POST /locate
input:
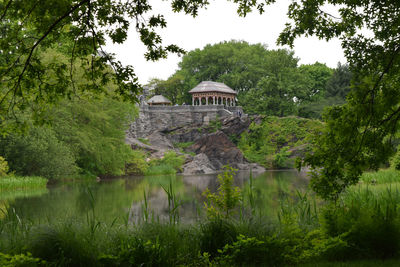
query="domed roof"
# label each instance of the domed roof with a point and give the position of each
(208, 86)
(159, 99)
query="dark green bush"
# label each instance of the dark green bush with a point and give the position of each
(3, 167)
(215, 234)
(370, 231)
(249, 251)
(38, 153)
(137, 164)
(21, 260)
(63, 247)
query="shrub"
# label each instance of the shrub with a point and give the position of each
(369, 222)
(137, 164)
(38, 153)
(64, 247)
(3, 167)
(136, 252)
(172, 159)
(249, 251)
(20, 260)
(281, 159)
(162, 169)
(395, 162)
(169, 164)
(226, 199)
(215, 234)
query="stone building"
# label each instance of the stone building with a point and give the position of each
(159, 100)
(211, 100)
(213, 93)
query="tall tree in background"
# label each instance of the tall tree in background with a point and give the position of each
(275, 91)
(338, 85)
(314, 80)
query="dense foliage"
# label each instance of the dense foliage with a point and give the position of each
(39, 152)
(269, 82)
(95, 133)
(85, 136)
(276, 142)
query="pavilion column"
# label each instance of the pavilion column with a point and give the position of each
(192, 100)
(213, 100)
(206, 100)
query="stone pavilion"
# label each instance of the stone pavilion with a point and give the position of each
(213, 93)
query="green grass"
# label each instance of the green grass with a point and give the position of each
(385, 176)
(183, 145)
(18, 182)
(162, 169)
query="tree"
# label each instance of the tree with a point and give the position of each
(315, 78)
(358, 133)
(235, 63)
(81, 133)
(38, 153)
(262, 77)
(338, 85)
(173, 88)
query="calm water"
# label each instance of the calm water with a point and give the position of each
(122, 199)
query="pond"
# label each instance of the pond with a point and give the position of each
(122, 200)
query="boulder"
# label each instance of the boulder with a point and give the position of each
(219, 150)
(200, 164)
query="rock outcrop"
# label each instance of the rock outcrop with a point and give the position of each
(200, 164)
(213, 149)
(219, 149)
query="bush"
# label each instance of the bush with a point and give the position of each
(249, 251)
(223, 203)
(215, 234)
(64, 247)
(3, 167)
(38, 153)
(268, 142)
(368, 223)
(172, 159)
(21, 260)
(395, 162)
(169, 164)
(137, 253)
(137, 165)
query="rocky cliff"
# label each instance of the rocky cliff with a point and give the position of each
(208, 147)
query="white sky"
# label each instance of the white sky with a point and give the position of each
(220, 22)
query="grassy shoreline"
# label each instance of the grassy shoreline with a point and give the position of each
(8, 183)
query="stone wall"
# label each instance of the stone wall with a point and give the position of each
(162, 118)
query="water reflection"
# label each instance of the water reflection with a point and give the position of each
(122, 199)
